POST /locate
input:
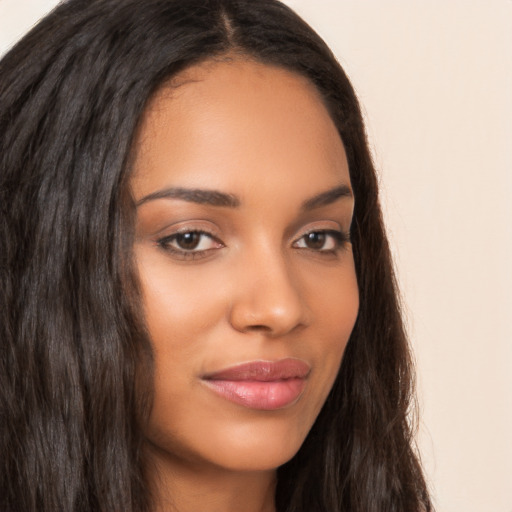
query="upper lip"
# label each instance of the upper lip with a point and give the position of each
(263, 371)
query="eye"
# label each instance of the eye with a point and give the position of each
(187, 244)
(328, 240)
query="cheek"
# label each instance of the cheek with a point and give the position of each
(333, 297)
(342, 313)
(181, 314)
(179, 304)
(335, 304)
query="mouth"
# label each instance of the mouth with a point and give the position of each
(261, 385)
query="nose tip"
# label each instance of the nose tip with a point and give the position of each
(270, 302)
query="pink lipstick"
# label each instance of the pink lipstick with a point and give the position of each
(263, 385)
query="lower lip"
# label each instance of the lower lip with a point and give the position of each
(265, 396)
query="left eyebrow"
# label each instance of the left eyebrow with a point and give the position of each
(327, 197)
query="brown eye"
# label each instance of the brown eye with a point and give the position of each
(188, 241)
(190, 244)
(315, 240)
(323, 241)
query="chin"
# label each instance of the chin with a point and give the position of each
(261, 444)
(261, 456)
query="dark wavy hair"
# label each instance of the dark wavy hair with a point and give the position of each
(76, 362)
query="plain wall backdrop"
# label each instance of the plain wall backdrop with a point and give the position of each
(435, 81)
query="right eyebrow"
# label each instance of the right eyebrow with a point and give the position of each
(194, 195)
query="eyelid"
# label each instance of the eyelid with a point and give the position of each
(184, 226)
(165, 242)
(190, 231)
(341, 238)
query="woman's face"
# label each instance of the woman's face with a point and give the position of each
(249, 289)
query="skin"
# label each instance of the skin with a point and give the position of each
(254, 288)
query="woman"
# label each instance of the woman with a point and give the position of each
(198, 303)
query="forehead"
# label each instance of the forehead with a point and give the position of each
(239, 120)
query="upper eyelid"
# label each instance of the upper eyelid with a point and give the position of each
(337, 233)
(182, 231)
(338, 230)
(321, 230)
(193, 230)
(212, 233)
(169, 231)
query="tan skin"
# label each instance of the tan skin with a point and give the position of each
(264, 275)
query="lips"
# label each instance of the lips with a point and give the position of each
(262, 385)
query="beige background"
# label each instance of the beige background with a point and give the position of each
(435, 80)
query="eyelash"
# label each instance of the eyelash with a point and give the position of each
(183, 254)
(339, 239)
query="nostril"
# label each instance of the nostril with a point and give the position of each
(264, 328)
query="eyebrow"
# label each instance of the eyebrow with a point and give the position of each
(327, 197)
(222, 199)
(194, 195)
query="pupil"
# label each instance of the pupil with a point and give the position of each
(188, 241)
(315, 240)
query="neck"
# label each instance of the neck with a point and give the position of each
(184, 486)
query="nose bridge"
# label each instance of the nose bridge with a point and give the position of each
(268, 296)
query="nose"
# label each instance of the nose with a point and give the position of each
(268, 298)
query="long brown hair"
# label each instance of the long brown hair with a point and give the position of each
(75, 366)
